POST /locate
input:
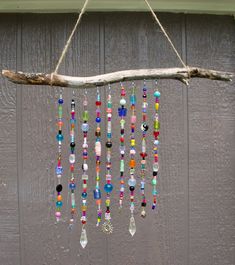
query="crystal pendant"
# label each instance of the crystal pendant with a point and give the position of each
(83, 238)
(132, 227)
(107, 227)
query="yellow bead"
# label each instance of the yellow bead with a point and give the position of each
(107, 202)
(83, 208)
(156, 106)
(132, 142)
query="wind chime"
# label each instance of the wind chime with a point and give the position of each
(150, 132)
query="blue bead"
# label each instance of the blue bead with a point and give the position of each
(60, 137)
(84, 195)
(157, 94)
(98, 119)
(108, 187)
(133, 99)
(109, 135)
(60, 101)
(59, 170)
(97, 194)
(72, 186)
(59, 204)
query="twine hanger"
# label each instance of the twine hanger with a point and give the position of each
(79, 20)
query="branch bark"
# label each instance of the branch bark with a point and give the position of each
(181, 74)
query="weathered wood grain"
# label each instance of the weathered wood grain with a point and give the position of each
(211, 41)
(53, 79)
(9, 213)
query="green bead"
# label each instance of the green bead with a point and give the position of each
(154, 182)
(122, 165)
(156, 125)
(60, 107)
(85, 116)
(109, 105)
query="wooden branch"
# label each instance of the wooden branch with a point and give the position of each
(181, 74)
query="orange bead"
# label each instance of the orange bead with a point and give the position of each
(98, 202)
(60, 123)
(59, 198)
(132, 163)
(122, 181)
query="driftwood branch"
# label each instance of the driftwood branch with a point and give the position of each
(181, 74)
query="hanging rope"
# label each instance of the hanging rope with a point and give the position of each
(71, 36)
(163, 30)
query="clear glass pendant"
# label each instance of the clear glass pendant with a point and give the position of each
(83, 238)
(132, 227)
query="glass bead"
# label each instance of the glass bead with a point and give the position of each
(72, 158)
(122, 101)
(59, 204)
(133, 99)
(72, 186)
(156, 106)
(132, 182)
(60, 101)
(59, 188)
(108, 187)
(85, 127)
(157, 94)
(156, 125)
(59, 170)
(98, 119)
(84, 195)
(60, 137)
(155, 167)
(154, 182)
(85, 115)
(144, 127)
(97, 194)
(83, 238)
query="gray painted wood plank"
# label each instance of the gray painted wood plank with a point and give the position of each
(9, 214)
(133, 41)
(211, 43)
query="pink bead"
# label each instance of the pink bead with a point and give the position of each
(58, 214)
(133, 119)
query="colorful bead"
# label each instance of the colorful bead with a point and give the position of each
(96, 191)
(132, 164)
(85, 128)
(108, 187)
(156, 132)
(59, 168)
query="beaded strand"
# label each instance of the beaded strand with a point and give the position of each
(108, 187)
(143, 154)
(132, 164)
(97, 192)
(72, 185)
(59, 168)
(156, 133)
(85, 128)
(122, 111)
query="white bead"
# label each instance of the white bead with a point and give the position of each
(122, 101)
(85, 167)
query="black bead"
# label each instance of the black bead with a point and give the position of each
(154, 173)
(143, 204)
(59, 188)
(72, 144)
(108, 144)
(107, 208)
(60, 131)
(145, 126)
(132, 188)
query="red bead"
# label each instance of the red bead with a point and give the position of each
(98, 103)
(122, 139)
(83, 222)
(156, 134)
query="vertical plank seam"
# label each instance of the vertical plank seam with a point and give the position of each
(19, 127)
(186, 128)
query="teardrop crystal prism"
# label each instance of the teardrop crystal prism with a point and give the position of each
(132, 227)
(83, 238)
